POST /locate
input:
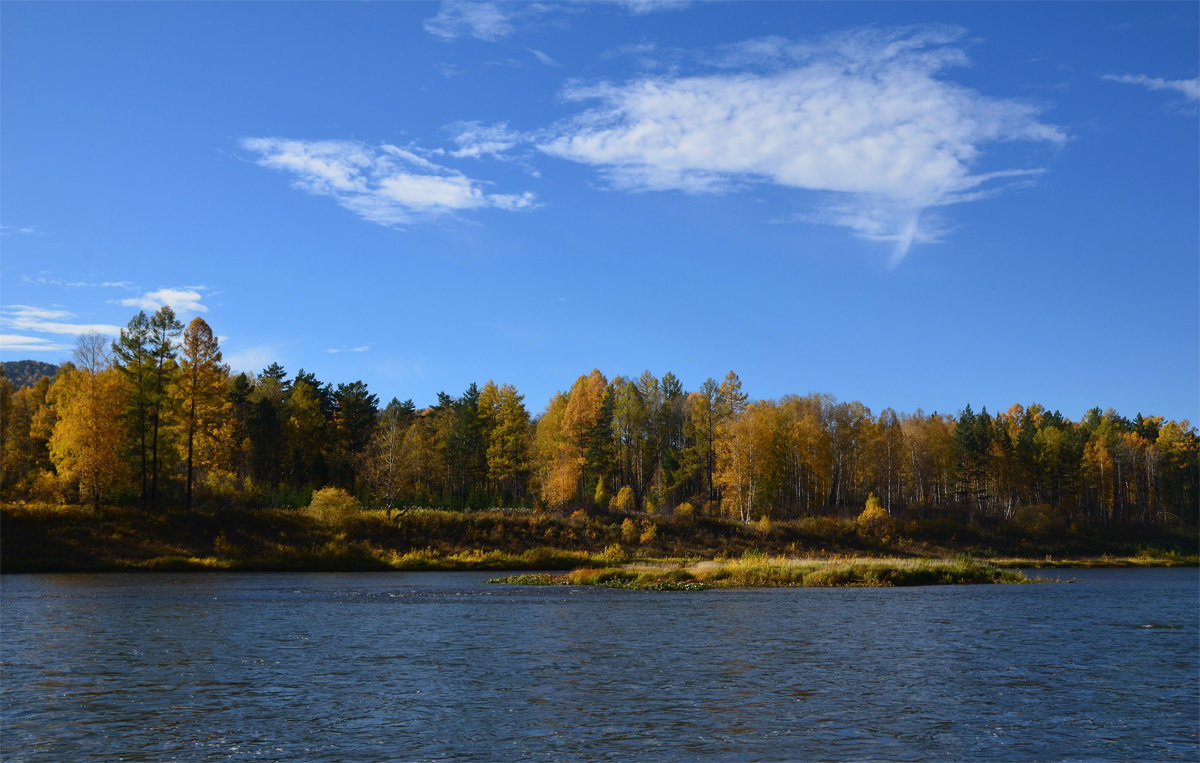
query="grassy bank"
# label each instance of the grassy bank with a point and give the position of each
(781, 572)
(53, 538)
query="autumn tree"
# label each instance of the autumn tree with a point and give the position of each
(381, 462)
(26, 423)
(304, 429)
(508, 441)
(202, 396)
(87, 439)
(583, 430)
(741, 450)
(557, 465)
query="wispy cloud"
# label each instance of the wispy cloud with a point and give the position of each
(1188, 88)
(492, 21)
(335, 351)
(19, 230)
(184, 299)
(477, 140)
(481, 20)
(45, 279)
(863, 117)
(545, 59)
(54, 320)
(384, 184)
(642, 7)
(19, 343)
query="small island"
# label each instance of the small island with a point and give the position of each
(756, 571)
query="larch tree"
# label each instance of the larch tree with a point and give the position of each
(201, 385)
(508, 444)
(559, 468)
(584, 407)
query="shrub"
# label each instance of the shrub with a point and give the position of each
(332, 504)
(1036, 520)
(874, 520)
(601, 497)
(47, 488)
(624, 500)
(685, 510)
(629, 530)
(615, 554)
(649, 532)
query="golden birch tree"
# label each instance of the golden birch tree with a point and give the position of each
(88, 436)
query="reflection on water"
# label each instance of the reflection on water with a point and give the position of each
(415, 666)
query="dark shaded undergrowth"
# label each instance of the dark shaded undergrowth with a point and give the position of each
(50, 538)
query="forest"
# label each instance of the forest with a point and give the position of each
(156, 420)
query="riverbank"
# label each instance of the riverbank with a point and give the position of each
(51, 538)
(781, 572)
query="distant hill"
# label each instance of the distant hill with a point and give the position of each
(25, 373)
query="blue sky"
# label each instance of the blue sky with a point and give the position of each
(911, 205)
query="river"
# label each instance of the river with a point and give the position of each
(429, 666)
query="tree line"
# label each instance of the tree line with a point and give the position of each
(155, 417)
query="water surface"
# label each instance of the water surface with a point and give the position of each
(426, 666)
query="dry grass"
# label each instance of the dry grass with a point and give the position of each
(777, 572)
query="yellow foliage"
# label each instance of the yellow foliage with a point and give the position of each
(685, 510)
(333, 504)
(46, 488)
(85, 444)
(624, 500)
(649, 532)
(874, 519)
(629, 530)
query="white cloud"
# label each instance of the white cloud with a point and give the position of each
(20, 230)
(182, 300)
(19, 343)
(491, 21)
(252, 359)
(482, 20)
(862, 117)
(363, 348)
(1188, 88)
(545, 59)
(45, 279)
(643, 7)
(385, 184)
(50, 321)
(476, 140)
